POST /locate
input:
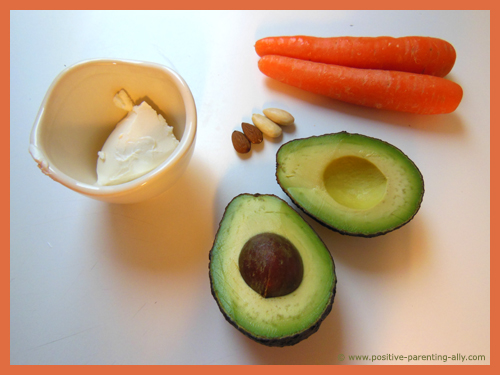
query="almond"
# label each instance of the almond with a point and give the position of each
(266, 126)
(253, 134)
(240, 142)
(279, 116)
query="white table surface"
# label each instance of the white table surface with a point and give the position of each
(95, 283)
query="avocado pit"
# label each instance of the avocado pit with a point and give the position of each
(271, 265)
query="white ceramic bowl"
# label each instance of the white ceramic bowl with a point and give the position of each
(77, 115)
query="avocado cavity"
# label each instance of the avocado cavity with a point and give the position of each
(355, 182)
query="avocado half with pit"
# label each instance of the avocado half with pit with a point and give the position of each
(351, 183)
(272, 276)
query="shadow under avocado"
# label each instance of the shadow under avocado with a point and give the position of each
(394, 252)
(321, 348)
(166, 234)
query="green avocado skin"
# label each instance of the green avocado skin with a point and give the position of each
(325, 223)
(275, 341)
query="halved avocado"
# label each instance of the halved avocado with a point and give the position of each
(271, 275)
(351, 183)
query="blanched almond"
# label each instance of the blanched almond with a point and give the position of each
(266, 126)
(122, 100)
(279, 116)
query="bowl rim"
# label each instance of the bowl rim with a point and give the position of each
(36, 149)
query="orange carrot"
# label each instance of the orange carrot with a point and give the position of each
(414, 54)
(383, 89)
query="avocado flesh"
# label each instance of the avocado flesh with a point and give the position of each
(276, 321)
(351, 183)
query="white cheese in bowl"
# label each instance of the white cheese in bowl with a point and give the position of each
(138, 144)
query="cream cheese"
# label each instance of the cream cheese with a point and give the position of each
(138, 144)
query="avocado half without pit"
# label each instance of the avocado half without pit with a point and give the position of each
(271, 275)
(351, 183)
